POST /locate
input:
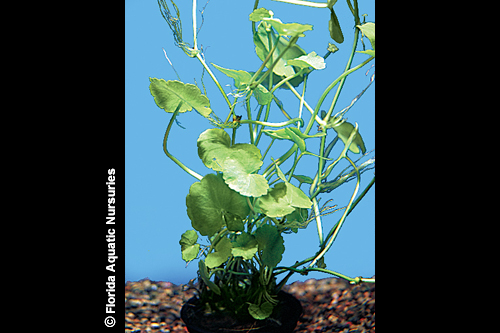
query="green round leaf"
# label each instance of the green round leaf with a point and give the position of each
(188, 244)
(261, 312)
(238, 174)
(213, 145)
(271, 244)
(222, 252)
(245, 246)
(238, 162)
(210, 201)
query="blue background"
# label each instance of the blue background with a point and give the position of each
(156, 188)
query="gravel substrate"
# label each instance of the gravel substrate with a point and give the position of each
(330, 305)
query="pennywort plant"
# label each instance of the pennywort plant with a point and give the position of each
(242, 206)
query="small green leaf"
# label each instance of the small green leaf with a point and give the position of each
(334, 27)
(369, 52)
(296, 139)
(244, 246)
(368, 30)
(261, 312)
(297, 219)
(281, 175)
(282, 134)
(311, 60)
(209, 201)
(288, 29)
(241, 81)
(189, 247)
(240, 77)
(259, 14)
(262, 95)
(271, 244)
(303, 179)
(222, 252)
(168, 95)
(202, 269)
(293, 134)
(321, 263)
(344, 130)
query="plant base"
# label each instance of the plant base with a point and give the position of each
(283, 320)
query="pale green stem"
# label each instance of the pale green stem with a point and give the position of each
(318, 119)
(179, 163)
(264, 123)
(342, 219)
(305, 3)
(318, 221)
(214, 79)
(328, 114)
(194, 25)
(195, 48)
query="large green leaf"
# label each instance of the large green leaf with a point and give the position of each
(263, 38)
(242, 80)
(237, 162)
(245, 246)
(288, 29)
(189, 247)
(213, 145)
(238, 174)
(168, 95)
(271, 244)
(222, 252)
(282, 200)
(210, 201)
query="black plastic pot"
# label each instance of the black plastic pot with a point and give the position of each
(283, 320)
